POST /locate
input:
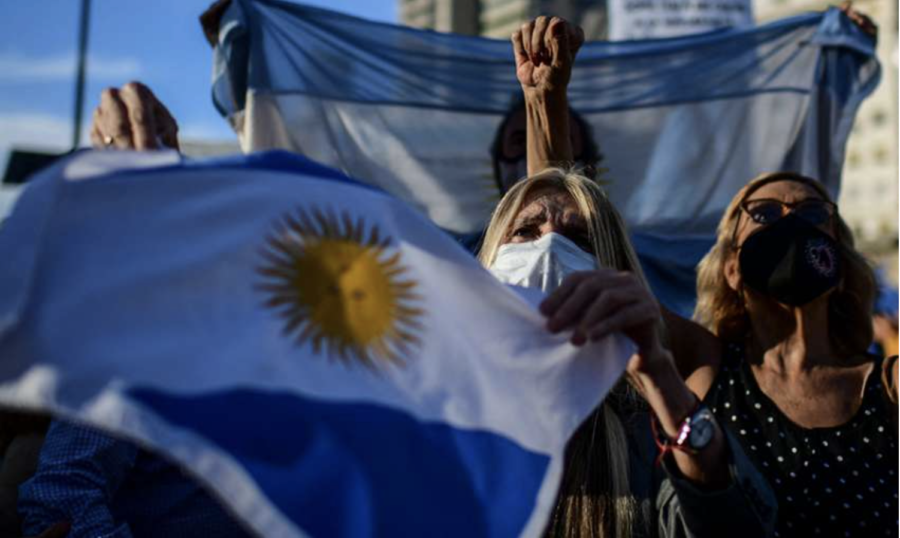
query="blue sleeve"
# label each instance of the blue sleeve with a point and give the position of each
(78, 473)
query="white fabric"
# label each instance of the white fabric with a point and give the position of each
(541, 264)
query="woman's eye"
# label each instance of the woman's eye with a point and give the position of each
(523, 232)
(765, 212)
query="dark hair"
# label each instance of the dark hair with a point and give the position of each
(588, 160)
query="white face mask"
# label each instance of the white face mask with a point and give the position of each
(541, 264)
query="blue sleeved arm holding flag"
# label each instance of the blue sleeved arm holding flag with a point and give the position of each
(78, 474)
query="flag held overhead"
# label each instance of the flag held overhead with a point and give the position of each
(682, 123)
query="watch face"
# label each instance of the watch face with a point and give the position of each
(702, 430)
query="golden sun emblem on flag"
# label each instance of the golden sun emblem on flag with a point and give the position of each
(337, 285)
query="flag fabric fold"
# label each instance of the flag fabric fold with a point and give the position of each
(683, 122)
(316, 352)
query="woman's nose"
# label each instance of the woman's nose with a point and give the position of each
(548, 227)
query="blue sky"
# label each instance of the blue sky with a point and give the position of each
(157, 42)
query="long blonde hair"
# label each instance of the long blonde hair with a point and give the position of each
(721, 309)
(595, 497)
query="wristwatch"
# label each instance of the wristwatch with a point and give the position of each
(696, 431)
(694, 434)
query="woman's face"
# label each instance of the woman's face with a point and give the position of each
(514, 148)
(799, 198)
(547, 210)
(792, 193)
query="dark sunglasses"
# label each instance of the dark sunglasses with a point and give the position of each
(815, 211)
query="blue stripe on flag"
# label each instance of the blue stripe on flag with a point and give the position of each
(352, 469)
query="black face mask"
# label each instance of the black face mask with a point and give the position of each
(791, 261)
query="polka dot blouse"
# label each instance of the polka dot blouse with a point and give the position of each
(839, 481)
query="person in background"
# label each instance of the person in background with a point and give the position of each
(21, 437)
(787, 301)
(509, 152)
(109, 487)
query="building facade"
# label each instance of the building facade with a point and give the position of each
(500, 18)
(457, 16)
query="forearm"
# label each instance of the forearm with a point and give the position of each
(671, 401)
(548, 142)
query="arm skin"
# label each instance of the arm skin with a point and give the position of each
(548, 142)
(545, 51)
(696, 351)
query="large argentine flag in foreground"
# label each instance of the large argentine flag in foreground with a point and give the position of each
(683, 122)
(322, 356)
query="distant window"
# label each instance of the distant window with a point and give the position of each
(881, 155)
(879, 118)
(853, 160)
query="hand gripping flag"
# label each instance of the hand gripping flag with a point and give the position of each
(319, 354)
(683, 123)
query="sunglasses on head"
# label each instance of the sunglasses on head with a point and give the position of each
(815, 211)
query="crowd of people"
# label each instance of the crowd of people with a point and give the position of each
(764, 415)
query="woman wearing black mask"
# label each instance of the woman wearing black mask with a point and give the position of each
(791, 299)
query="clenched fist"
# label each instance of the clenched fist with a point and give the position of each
(545, 50)
(132, 118)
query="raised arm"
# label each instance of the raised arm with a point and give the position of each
(545, 50)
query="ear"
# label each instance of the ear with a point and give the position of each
(732, 272)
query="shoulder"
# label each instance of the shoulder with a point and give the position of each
(889, 377)
(697, 352)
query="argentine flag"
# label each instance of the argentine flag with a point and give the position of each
(683, 123)
(320, 355)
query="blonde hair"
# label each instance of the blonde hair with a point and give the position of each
(721, 309)
(595, 497)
